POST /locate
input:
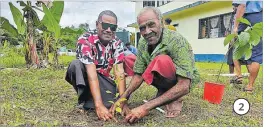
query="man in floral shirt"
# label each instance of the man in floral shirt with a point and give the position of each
(90, 75)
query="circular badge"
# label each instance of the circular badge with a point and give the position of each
(241, 106)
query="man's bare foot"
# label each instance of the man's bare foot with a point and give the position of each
(174, 108)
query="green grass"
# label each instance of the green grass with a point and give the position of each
(43, 98)
(12, 58)
(64, 60)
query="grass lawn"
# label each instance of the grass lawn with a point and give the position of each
(43, 98)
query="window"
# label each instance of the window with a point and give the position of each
(148, 3)
(162, 2)
(215, 26)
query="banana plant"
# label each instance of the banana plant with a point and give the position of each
(25, 22)
(29, 22)
(51, 21)
(246, 40)
(27, 29)
(47, 39)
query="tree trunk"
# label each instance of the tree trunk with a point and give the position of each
(45, 52)
(33, 56)
(55, 59)
(27, 52)
(46, 41)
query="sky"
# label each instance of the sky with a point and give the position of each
(76, 12)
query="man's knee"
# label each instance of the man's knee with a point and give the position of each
(75, 64)
(163, 57)
(165, 60)
(160, 57)
(130, 58)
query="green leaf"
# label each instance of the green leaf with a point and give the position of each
(29, 8)
(254, 38)
(250, 46)
(18, 19)
(229, 38)
(36, 19)
(21, 3)
(248, 54)
(118, 109)
(243, 20)
(56, 10)
(243, 38)
(117, 103)
(109, 92)
(122, 99)
(51, 23)
(116, 95)
(111, 102)
(258, 28)
(236, 43)
(4, 23)
(239, 52)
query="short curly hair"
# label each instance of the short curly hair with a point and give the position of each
(107, 12)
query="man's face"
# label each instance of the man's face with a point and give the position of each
(106, 28)
(150, 27)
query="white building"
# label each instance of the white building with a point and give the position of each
(202, 23)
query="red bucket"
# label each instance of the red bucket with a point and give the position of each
(213, 92)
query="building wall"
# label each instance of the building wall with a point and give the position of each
(189, 28)
(139, 6)
(211, 49)
(173, 5)
(166, 7)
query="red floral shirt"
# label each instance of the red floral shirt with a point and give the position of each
(91, 51)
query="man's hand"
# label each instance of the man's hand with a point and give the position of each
(125, 110)
(136, 114)
(123, 105)
(103, 114)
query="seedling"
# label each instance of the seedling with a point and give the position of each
(244, 42)
(116, 95)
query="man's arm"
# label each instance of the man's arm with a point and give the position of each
(101, 111)
(239, 13)
(177, 91)
(135, 83)
(120, 77)
(94, 84)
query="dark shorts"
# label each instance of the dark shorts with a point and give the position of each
(76, 75)
(257, 51)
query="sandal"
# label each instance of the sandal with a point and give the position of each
(237, 80)
(248, 90)
(174, 109)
